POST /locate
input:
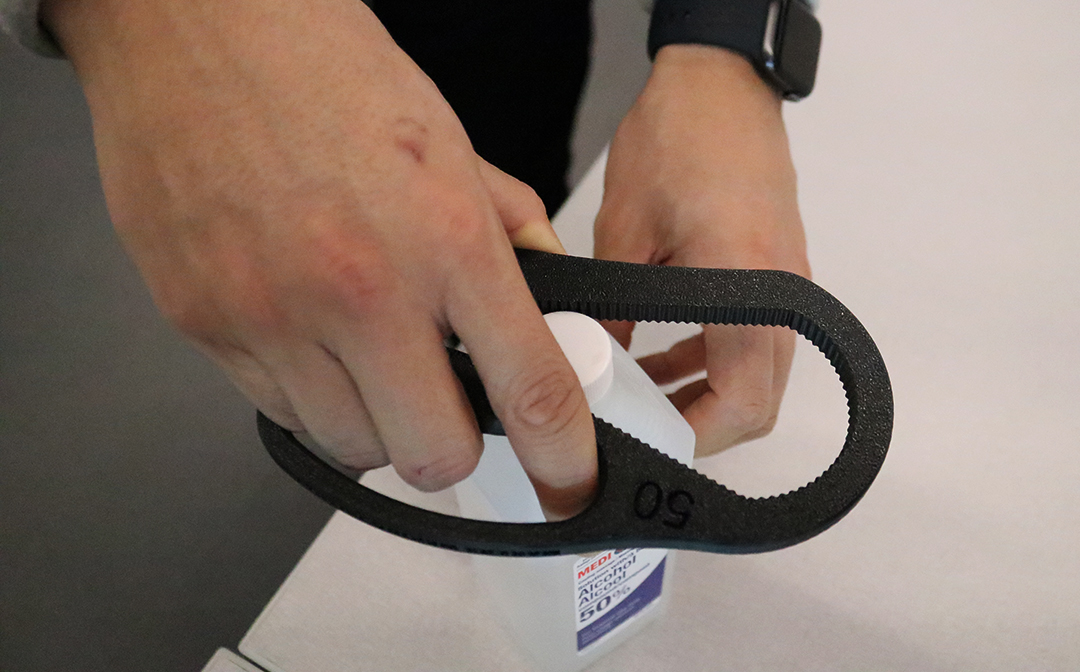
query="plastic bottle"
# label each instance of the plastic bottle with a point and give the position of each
(568, 611)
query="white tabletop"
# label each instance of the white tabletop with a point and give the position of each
(941, 194)
(224, 660)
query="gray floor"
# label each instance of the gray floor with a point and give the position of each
(141, 524)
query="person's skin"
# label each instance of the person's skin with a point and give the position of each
(306, 208)
(700, 174)
(308, 211)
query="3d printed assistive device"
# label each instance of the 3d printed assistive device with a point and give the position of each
(644, 498)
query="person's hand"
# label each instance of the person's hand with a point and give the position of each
(306, 208)
(700, 174)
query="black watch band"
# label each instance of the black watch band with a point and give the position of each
(781, 38)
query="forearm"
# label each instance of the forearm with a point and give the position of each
(130, 35)
(713, 84)
(716, 135)
(306, 208)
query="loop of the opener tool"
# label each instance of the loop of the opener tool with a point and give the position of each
(700, 514)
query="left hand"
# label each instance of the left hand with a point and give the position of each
(700, 174)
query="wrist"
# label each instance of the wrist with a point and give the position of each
(705, 116)
(714, 78)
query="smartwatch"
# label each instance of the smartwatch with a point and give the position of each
(782, 38)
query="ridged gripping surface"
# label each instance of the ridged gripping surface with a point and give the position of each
(646, 499)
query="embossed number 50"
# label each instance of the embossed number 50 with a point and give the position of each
(674, 509)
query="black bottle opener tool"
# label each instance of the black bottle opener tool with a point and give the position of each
(644, 498)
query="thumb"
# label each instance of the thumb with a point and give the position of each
(521, 211)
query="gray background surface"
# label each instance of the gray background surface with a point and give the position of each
(141, 524)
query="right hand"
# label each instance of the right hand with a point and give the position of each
(306, 208)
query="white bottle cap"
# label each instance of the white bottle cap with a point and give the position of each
(588, 348)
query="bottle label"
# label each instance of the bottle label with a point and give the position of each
(611, 587)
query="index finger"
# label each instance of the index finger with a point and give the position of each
(531, 386)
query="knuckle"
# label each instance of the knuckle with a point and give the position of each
(618, 233)
(466, 225)
(530, 200)
(456, 209)
(546, 400)
(754, 413)
(358, 450)
(207, 311)
(186, 307)
(260, 312)
(760, 430)
(188, 317)
(357, 277)
(449, 226)
(535, 202)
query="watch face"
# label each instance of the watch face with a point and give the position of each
(797, 44)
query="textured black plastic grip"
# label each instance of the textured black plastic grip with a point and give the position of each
(646, 499)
